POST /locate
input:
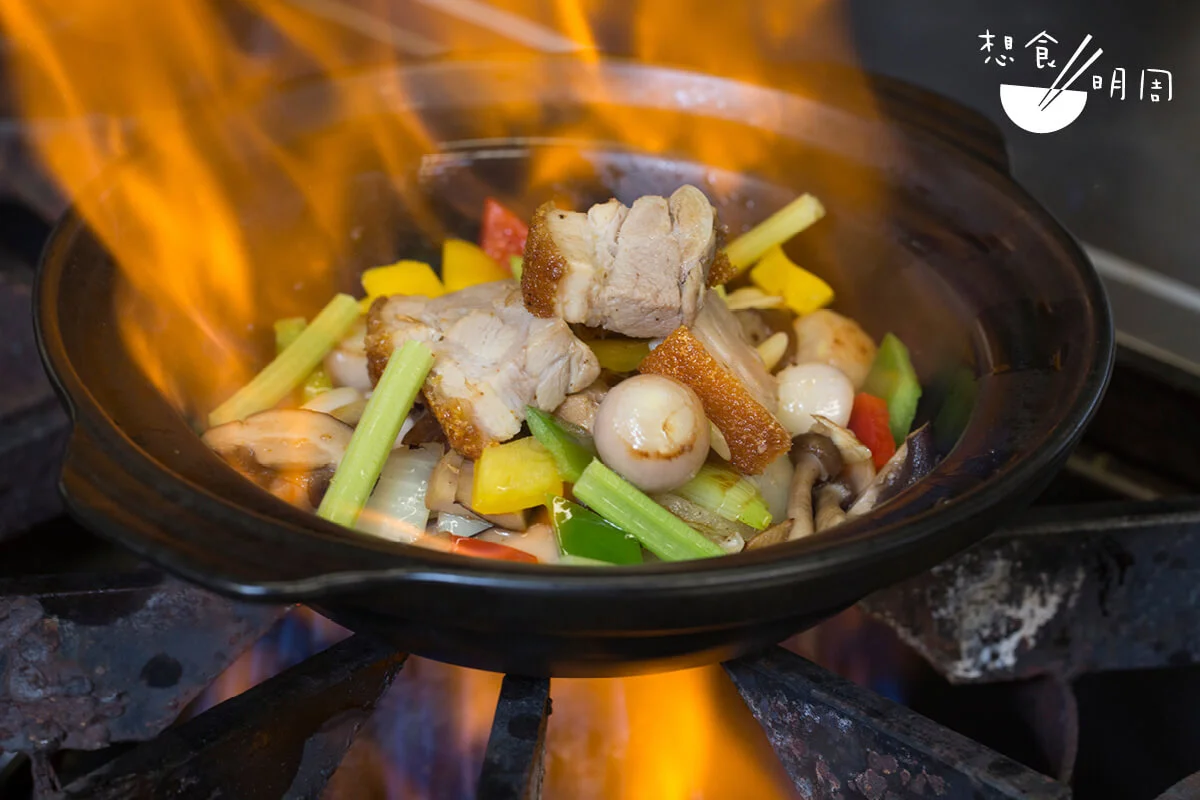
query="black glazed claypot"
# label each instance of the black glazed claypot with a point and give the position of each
(1007, 322)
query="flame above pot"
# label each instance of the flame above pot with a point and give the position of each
(180, 99)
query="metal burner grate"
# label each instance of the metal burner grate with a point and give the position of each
(116, 658)
(96, 660)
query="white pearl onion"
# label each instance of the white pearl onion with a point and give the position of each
(653, 432)
(812, 389)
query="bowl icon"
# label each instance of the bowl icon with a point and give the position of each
(1022, 104)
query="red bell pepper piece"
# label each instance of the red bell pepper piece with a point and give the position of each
(503, 234)
(465, 546)
(870, 423)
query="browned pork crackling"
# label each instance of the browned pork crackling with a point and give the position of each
(754, 436)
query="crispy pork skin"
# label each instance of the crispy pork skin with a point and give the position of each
(714, 358)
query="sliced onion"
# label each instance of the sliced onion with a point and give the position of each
(396, 509)
(729, 536)
(460, 526)
(539, 540)
(332, 400)
(351, 414)
(443, 484)
(405, 427)
(774, 483)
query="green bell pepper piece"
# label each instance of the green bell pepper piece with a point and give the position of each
(624, 505)
(572, 451)
(585, 534)
(893, 380)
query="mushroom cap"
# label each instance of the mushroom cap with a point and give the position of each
(291, 440)
(822, 448)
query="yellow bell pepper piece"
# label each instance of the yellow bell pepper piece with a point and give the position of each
(465, 264)
(620, 355)
(403, 277)
(803, 292)
(514, 476)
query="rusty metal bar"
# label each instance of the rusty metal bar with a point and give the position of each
(1064, 592)
(88, 660)
(283, 738)
(839, 740)
(513, 763)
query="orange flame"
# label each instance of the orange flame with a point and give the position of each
(221, 226)
(671, 736)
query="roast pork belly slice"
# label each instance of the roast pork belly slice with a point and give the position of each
(716, 360)
(723, 336)
(639, 270)
(492, 358)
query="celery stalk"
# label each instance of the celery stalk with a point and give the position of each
(659, 531)
(318, 381)
(775, 229)
(570, 451)
(291, 366)
(393, 398)
(727, 494)
(287, 331)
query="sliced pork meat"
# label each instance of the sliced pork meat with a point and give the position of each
(491, 359)
(723, 336)
(580, 409)
(640, 270)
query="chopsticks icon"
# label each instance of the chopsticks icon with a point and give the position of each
(1046, 98)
